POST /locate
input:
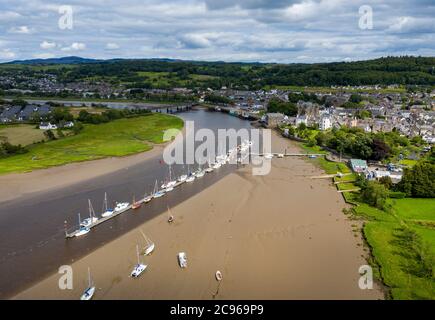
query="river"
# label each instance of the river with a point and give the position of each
(32, 240)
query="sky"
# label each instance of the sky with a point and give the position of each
(282, 31)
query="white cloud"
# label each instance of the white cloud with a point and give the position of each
(231, 30)
(112, 46)
(7, 54)
(75, 46)
(47, 45)
(412, 25)
(45, 55)
(20, 30)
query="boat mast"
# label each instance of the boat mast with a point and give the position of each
(137, 252)
(91, 210)
(105, 202)
(89, 277)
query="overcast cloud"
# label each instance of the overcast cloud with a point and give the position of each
(228, 30)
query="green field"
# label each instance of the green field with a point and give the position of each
(403, 248)
(23, 134)
(414, 208)
(117, 138)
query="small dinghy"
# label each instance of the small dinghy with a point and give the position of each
(218, 275)
(182, 260)
(170, 216)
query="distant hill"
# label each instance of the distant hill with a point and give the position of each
(78, 60)
(168, 73)
(64, 60)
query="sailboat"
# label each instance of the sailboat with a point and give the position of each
(147, 198)
(183, 177)
(210, 167)
(139, 268)
(158, 193)
(170, 216)
(90, 290)
(120, 206)
(136, 204)
(92, 218)
(199, 173)
(170, 183)
(150, 246)
(106, 210)
(190, 175)
(82, 230)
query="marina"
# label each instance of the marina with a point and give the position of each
(166, 187)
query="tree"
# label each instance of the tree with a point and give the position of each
(381, 150)
(374, 194)
(386, 182)
(287, 108)
(419, 181)
(50, 135)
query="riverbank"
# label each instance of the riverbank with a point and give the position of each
(280, 236)
(117, 138)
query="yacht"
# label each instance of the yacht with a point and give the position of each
(139, 267)
(90, 290)
(121, 206)
(82, 231)
(182, 178)
(107, 212)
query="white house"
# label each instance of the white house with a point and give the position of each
(301, 119)
(325, 123)
(47, 126)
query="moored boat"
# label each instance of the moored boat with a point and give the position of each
(90, 290)
(139, 267)
(182, 259)
(107, 212)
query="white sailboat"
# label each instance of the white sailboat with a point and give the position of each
(139, 267)
(107, 212)
(210, 167)
(147, 198)
(150, 246)
(190, 176)
(92, 218)
(90, 290)
(199, 173)
(82, 230)
(121, 206)
(183, 177)
(170, 183)
(158, 193)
